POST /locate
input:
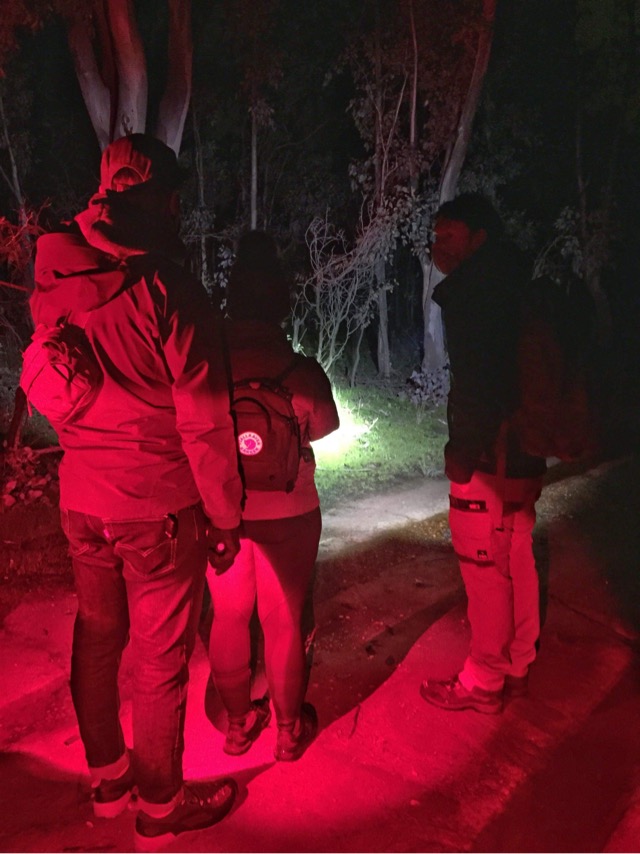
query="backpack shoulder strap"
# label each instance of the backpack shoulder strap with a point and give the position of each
(281, 377)
(269, 381)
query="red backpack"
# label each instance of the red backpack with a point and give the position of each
(268, 432)
(60, 373)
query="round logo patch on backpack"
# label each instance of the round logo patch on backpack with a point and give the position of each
(250, 444)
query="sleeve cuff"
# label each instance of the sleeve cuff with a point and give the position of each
(225, 523)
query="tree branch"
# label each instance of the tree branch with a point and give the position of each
(13, 181)
(15, 287)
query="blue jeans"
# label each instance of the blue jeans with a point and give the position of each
(139, 581)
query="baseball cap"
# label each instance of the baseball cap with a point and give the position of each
(138, 159)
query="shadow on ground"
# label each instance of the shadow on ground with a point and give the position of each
(553, 773)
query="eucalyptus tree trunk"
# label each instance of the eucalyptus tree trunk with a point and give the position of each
(131, 109)
(95, 92)
(203, 270)
(174, 105)
(413, 101)
(111, 68)
(254, 170)
(434, 345)
(435, 354)
(595, 246)
(384, 358)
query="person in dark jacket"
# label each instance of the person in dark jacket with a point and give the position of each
(494, 485)
(149, 481)
(280, 531)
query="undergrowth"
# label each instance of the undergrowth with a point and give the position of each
(393, 440)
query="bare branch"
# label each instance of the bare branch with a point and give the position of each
(14, 286)
(9, 183)
(14, 179)
(386, 146)
(342, 287)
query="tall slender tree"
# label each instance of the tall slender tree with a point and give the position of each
(418, 75)
(478, 38)
(251, 24)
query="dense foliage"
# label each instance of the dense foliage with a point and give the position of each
(340, 113)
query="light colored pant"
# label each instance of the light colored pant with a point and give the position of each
(273, 568)
(491, 535)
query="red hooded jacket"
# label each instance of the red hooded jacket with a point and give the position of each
(159, 435)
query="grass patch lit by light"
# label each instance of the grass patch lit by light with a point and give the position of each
(337, 443)
(382, 439)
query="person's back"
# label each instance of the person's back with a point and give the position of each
(135, 451)
(259, 349)
(281, 529)
(155, 444)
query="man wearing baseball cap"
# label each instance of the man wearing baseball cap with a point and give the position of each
(149, 486)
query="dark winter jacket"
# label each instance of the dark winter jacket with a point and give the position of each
(480, 304)
(261, 349)
(159, 435)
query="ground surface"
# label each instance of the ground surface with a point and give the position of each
(556, 772)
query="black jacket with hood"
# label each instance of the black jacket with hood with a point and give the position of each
(480, 304)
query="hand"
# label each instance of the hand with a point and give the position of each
(459, 464)
(457, 470)
(224, 545)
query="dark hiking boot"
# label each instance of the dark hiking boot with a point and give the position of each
(111, 797)
(244, 731)
(293, 740)
(450, 694)
(516, 686)
(202, 805)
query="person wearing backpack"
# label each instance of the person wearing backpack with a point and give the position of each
(149, 481)
(280, 526)
(494, 485)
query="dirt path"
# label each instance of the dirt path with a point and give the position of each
(557, 771)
